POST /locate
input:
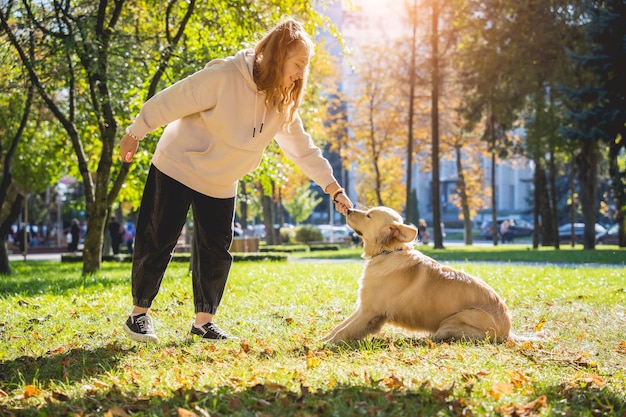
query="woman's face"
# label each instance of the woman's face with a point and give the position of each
(294, 67)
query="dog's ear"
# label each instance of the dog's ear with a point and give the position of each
(408, 232)
(398, 232)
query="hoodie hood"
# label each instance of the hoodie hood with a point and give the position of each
(244, 61)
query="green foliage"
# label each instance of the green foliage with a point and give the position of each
(597, 106)
(64, 351)
(303, 204)
(308, 233)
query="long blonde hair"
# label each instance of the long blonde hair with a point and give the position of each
(281, 42)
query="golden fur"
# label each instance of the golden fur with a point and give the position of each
(402, 286)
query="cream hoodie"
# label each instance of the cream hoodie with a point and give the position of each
(218, 127)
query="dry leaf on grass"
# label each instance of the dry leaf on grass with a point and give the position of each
(539, 325)
(530, 409)
(115, 412)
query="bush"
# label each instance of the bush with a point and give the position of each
(287, 235)
(308, 233)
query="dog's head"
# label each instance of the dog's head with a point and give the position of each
(381, 229)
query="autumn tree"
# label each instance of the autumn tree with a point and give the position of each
(376, 120)
(467, 150)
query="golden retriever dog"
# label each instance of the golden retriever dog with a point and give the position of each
(403, 287)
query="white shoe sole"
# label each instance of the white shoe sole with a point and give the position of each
(138, 337)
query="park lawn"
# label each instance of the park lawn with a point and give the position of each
(601, 255)
(64, 351)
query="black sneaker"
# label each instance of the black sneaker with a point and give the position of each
(139, 328)
(210, 331)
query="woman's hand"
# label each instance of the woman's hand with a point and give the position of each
(128, 147)
(342, 203)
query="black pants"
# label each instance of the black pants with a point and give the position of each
(161, 217)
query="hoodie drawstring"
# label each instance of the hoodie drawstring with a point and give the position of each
(256, 99)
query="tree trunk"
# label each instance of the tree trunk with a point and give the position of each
(5, 227)
(542, 203)
(409, 149)
(587, 161)
(268, 216)
(7, 182)
(494, 208)
(243, 205)
(572, 192)
(619, 191)
(467, 221)
(434, 120)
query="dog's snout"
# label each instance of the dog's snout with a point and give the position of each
(350, 211)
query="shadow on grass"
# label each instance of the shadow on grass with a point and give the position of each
(52, 277)
(62, 366)
(366, 396)
(376, 398)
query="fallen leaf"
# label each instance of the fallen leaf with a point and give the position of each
(99, 384)
(621, 347)
(59, 396)
(31, 391)
(393, 382)
(245, 346)
(518, 379)
(529, 409)
(56, 351)
(273, 387)
(442, 394)
(539, 325)
(312, 362)
(115, 412)
(182, 412)
(499, 388)
(527, 345)
(593, 379)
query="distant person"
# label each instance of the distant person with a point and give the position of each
(129, 236)
(74, 235)
(23, 237)
(116, 235)
(219, 122)
(505, 231)
(422, 232)
(237, 230)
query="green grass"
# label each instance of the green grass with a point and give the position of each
(64, 353)
(603, 254)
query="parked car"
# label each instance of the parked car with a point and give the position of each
(609, 237)
(335, 234)
(565, 232)
(520, 227)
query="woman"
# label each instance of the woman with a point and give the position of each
(219, 121)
